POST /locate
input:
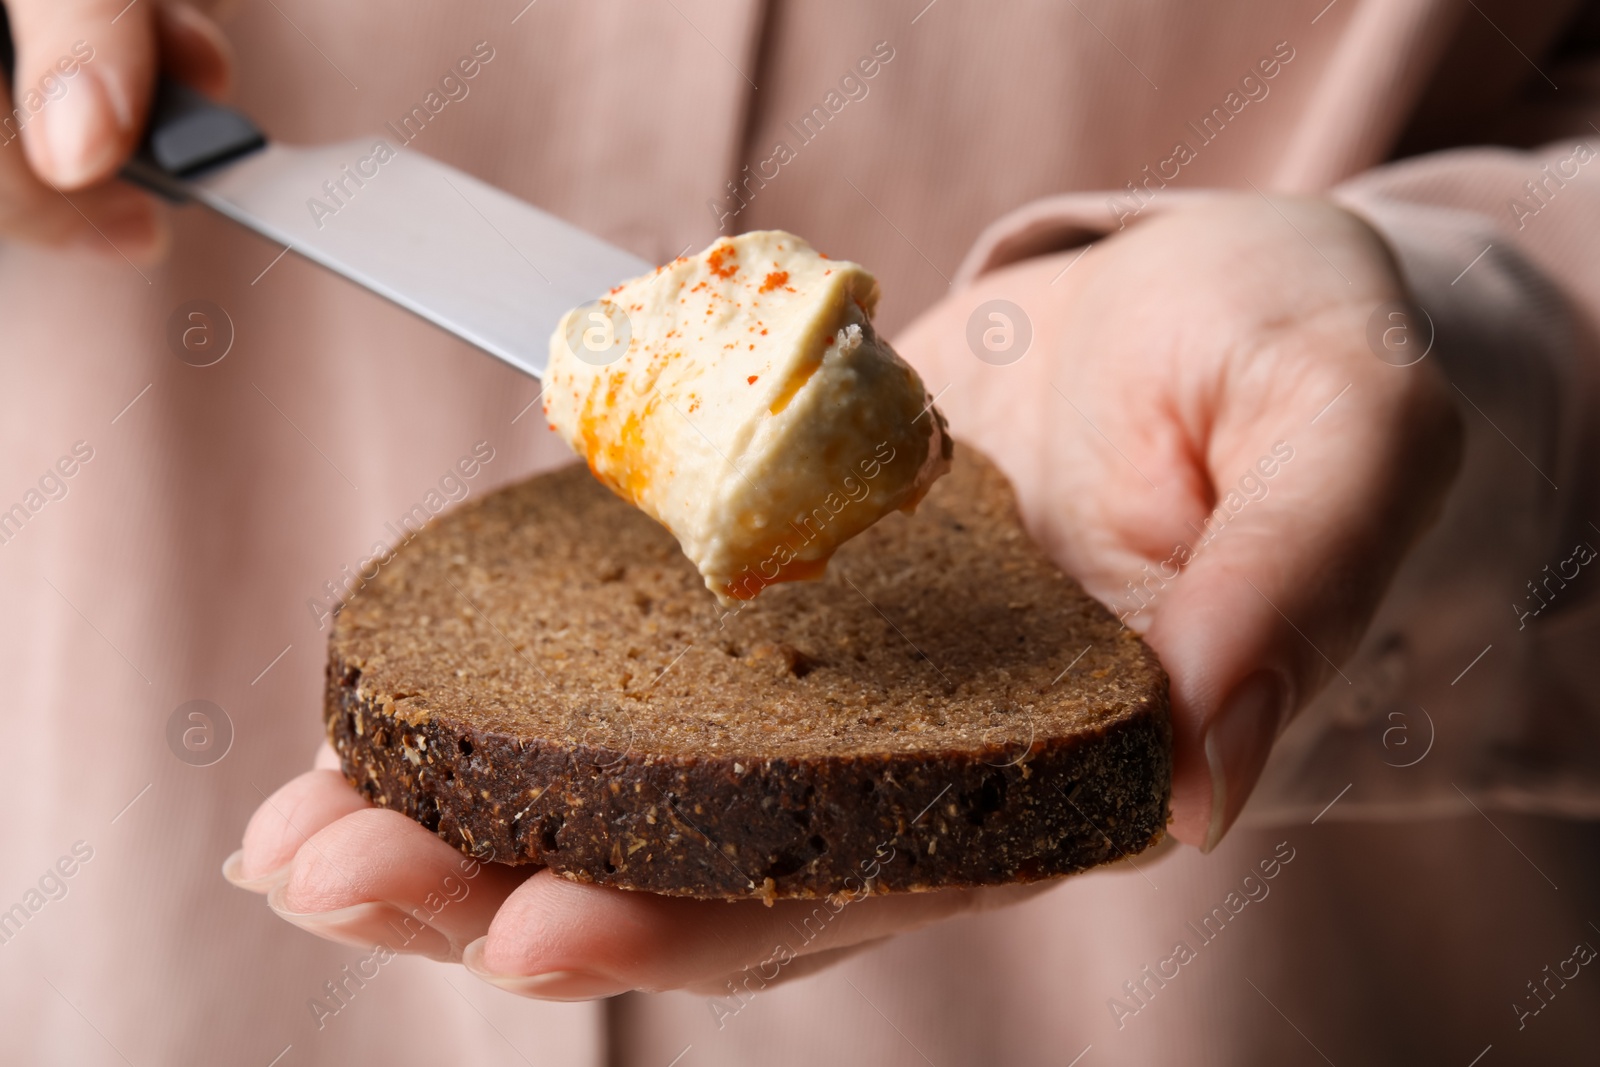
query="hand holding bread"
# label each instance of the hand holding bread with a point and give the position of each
(1178, 362)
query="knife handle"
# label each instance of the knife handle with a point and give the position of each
(187, 133)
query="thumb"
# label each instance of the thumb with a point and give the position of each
(1284, 573)
(84, 74)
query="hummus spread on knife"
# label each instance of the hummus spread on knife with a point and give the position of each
(742, 398)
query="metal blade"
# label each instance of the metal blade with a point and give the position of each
(484, 265)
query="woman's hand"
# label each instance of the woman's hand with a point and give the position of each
(1214, 358)
(337, 867)
(76, 108)
(1202, 434)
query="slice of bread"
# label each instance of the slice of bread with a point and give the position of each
(541, 677)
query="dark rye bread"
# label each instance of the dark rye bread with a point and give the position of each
(542, 677)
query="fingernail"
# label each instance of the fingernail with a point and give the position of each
(1237, 742)
(552, 985)
(80, 134)
(233, 871)
(367, 925)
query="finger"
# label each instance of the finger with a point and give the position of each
(85, 70)
(194, 50)
(112, 219)
(376, 877)
(563, 940)
(285, 821)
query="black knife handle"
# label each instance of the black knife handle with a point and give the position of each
(187, 133)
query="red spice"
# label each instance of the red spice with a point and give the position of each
(775, 279)
(718, 257)
(752, 379)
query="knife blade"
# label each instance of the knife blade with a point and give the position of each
(468, 257)
(476, 261)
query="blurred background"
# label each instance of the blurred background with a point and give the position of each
(1439, 820)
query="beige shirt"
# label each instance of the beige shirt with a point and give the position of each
(209, 510)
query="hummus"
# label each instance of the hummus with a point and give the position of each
(742, 398)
